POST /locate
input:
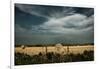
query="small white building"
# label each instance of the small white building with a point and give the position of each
(59, 48)
(23, 46)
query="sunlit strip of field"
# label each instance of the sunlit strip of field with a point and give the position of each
(63, 49)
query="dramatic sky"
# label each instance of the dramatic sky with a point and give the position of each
(39, 24)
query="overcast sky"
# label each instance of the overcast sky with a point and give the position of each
(39, 24)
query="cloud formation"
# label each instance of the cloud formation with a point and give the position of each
(65, 23)
(69, 24)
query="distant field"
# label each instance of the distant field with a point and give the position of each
(72, 49)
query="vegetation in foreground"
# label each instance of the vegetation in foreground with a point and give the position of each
(51, 57)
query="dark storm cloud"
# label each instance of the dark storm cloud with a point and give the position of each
(44, 11)
(25, 20)
(52, 23)
(85, 11)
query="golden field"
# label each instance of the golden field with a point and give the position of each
(62, 49)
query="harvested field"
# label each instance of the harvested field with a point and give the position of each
(63, 49)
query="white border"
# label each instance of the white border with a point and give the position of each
(12, 35)
(44, 2)
(57, 2)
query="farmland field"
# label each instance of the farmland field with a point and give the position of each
(37, 50)
(53, 54)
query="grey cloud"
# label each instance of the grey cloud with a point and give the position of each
(69, 24)
(33, 10)
(46, 11)
(61, 25)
